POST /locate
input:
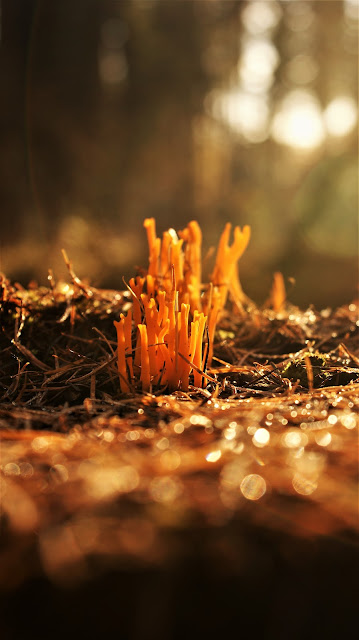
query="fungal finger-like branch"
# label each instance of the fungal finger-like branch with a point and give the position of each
(225, 272)
(145, 360)
(169, 336)
(278, 293)
(154, 246)
(121, 355)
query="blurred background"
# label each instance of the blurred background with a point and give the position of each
(215, 110)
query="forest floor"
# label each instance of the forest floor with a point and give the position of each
(94, 481)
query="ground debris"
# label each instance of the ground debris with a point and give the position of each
(276, 425)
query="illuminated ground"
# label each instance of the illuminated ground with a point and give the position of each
(248, 484)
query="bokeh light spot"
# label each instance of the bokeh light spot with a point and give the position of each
(304, 486)
(261, 437)
(298, 122)
(165, 489)
(213, 456)
(253, 486)
(340, 116)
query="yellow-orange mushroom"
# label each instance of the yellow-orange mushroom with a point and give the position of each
(278, 293)
(158, 342)
(121, 357)
(145, 361)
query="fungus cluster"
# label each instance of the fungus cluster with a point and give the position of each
(168, 334)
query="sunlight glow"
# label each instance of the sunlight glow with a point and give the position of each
(298, 122)
(245, 113)
(341, 116)
(351, 9)
(261, 16)
(257, 64)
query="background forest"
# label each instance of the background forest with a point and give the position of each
(215, 110)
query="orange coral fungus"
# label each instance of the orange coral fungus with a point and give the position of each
(145, 360)
(278, 293)
(174, 314)
(224, 274)
(121, 354)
